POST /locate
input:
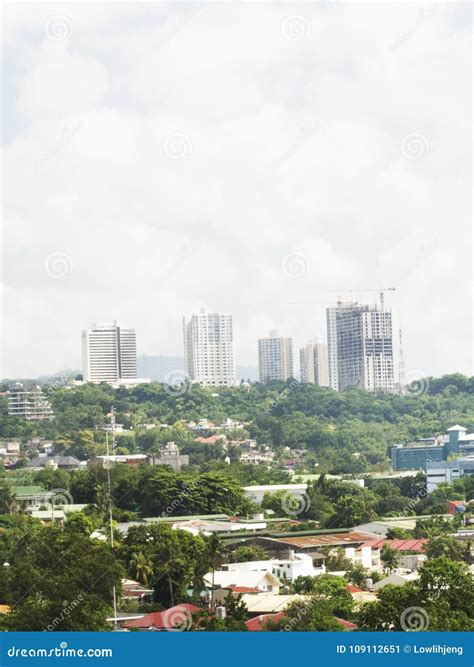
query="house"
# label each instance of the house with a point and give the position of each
(289, 569)
(30, 496)
(256, 458)
(134, 590)
(257, 624)
(457, 506)
(178, 617)
(269, 603)
(264, 581)
(129, 459)
(413, 548)
(54, 462)
(396, 579)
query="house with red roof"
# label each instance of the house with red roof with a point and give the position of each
(258, 623)
(179, 617)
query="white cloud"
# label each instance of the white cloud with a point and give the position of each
(293, 146)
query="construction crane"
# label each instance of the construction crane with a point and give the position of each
(380, 290)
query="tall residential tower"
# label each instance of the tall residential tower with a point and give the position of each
(360, 347)
(209, 349)
(109, 354)
(314, 363)
(275, 358)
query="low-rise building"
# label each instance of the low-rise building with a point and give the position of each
(29, 403)
(170, 456)
(256, 457)
(263, 580)
(257, 492)
(446, 472)
(287, 569)
(417, 455)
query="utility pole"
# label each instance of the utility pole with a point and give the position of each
(109, 485)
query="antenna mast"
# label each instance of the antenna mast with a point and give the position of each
(401, 362)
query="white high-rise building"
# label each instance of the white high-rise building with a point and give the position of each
(314, 363)
(209, 349)
(109, 354)
(360, 347)
(275, 358)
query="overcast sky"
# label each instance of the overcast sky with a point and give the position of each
(161, 158)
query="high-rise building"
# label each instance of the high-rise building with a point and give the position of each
(29, 403)
(360, 347)
(109, 354)
(275, 358)
(209, 349)
(314, 363)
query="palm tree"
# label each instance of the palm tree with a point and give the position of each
(389, 558)
(141, 567)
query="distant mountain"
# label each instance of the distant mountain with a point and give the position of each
(156, 368)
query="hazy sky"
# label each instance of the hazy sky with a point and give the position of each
(163, 157)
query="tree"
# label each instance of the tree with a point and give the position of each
(444, 545)
(175, 557)
(7, 497)
(141, 567)
(389, 557)
(246, 554)
(441, 600)
(75, 595)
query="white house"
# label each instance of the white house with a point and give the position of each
(289, 569)
(257, 457)
(264, 581)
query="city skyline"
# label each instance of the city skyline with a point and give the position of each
(146, 199)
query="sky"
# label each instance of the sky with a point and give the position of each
(258, 159)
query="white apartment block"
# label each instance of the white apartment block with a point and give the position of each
(360, 347)
(275, 358)
(109, 354)
(209, 349)
(29, 403)
(314, 364)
